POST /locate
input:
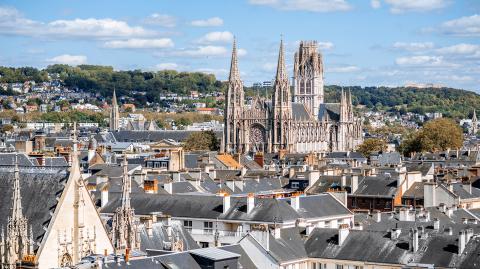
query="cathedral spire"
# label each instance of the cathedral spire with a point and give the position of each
(126, 184)
(124, 227)
(234, 73)
(474, 118)
(17, 198)
(281, 69)
(114, 113)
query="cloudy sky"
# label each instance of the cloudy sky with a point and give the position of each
(377, 42)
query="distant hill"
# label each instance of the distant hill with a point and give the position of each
(451, 102)
(146, 86)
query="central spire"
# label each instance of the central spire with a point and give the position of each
(234, 73)
(281, 69)
(17, 198)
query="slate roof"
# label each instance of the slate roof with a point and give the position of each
(323, 205)
(345, 155)
(39, 189)
(288, 247)
(415, 191)
(323, 243)
(244, 260)
(159, 240)
(329, 111)
(211, 207)
(379, 186)
(299, 111)
(8, 159)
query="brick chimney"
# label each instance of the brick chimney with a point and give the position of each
(250, 202)
(343, 232)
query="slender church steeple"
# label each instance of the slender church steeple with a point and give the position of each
(281, 104)
(114, 113)
(233, 106)
(474, 123)
(124, 227)
(17, 244)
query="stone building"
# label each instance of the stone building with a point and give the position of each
(299, 123)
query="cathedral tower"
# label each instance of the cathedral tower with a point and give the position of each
(234, 105)
(308, 77)
(114, 114)
(281, 105)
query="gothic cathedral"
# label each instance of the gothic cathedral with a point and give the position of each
(301, 123)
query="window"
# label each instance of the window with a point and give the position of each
(208, 227)
(188, 225)
(204, 244)
(294, 185)
(338, 266)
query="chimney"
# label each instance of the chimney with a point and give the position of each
(395, 233)
(176, 176)
(436, 224)
(344, 181)
(469, 235)
(461, 242)
(427, 216)
(377, 215)
(403, 214)
(226, 202)
(449, 212)
(250, 202)
(343, 232)
(295, 201)
(168, 224)
(354, 184)
(443, 208)
(127, 255)
(168, 186)
(276, 232)
(414, 240)
(467, 187)
(104, 196)
(149, 227)
(309, 229)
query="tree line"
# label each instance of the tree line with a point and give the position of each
(148, 86)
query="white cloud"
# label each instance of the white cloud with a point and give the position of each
(68, 59)
(241, 52)
(465, 26)
(325, 45)
(269, 66)
(12, 22)
(216, 37)
(206, 51)
(424, 61)
(460, 49)
(305, 5)
(343, 69)
(163, 20)
(214, 21)
(413, 46)
(402, 6)
(136, 43)
(375, 4)
(166, 66)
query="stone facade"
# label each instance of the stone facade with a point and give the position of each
(300, 123)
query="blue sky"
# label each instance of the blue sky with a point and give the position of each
(377, 42)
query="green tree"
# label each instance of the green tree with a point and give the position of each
(436, 135)
(205, 140)
(372, 145)
(7, 128)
